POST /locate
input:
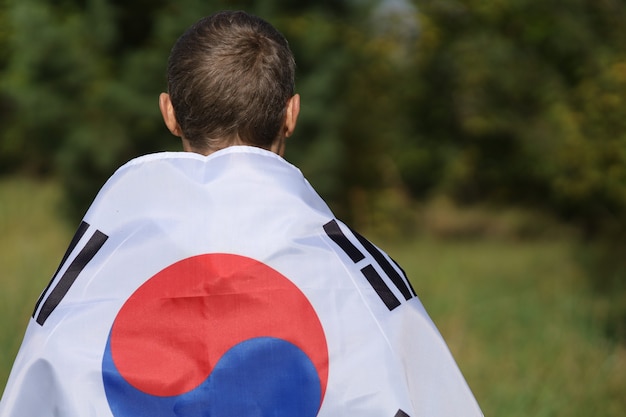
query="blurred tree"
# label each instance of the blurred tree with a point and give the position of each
(522, 102)
(6, 164)
(82, 79)
(67, 100)
(512, 102)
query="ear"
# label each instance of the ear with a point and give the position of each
(169, 117)
(291, 116)
(292, 110)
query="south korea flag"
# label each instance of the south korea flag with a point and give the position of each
(223, 286)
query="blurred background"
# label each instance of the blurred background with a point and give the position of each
(482, 142)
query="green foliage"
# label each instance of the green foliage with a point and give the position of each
(81, 83)
(516, 102)
(526, 100)
(72, 111)
(522, 102)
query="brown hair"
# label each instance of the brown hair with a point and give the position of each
(229, 77)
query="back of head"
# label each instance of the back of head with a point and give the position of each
(229, 78)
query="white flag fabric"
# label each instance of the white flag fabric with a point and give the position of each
(223, 286)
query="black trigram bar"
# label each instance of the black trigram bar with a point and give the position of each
(82, 228)
(383, 291)
(76, 267)
(406, 290)
(401, 413)
(369, 272)
(334, 232)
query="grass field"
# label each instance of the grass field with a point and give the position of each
(517, 314)
(521, 325)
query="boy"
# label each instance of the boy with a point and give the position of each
(216, 282)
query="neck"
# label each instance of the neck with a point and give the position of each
(278, 147)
